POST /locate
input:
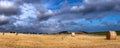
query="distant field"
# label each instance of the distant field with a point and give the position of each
(56, 41)
(102, 33)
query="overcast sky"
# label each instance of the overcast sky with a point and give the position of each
(53, 16)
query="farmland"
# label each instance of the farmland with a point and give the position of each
(10, 40)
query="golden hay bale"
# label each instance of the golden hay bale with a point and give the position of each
(72, 34)
(3, 33)
(16, 33)
(111, 35)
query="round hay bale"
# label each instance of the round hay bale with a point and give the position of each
(3, 33)
(16, 33)
(72, 34)
(111, 35)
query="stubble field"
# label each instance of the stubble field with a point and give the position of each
(10, 40)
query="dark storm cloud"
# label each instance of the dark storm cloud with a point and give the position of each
(31, 1)
(8, 8)
(90, 6)
(88, 10)
(36, 16)
(28, 1)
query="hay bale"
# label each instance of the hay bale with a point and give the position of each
(72, 34)
(16, 33)
(111, 35)
(3, 33)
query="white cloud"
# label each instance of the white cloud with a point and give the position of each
(74, 8)
(3, 18)
(78, 8)
(6, 4)
(49, 12)
(87, 1)
(82, 7)
(27, 16)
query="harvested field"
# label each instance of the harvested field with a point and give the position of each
(10, 40)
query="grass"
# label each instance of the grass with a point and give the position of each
(10, 40)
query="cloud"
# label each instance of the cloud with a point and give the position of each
(37, 15)
(29, 1)
(27, 16)
(44, 14)
(89, 6)
(3, 20)
(8, 8)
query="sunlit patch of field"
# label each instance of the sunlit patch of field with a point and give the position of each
(10, 40)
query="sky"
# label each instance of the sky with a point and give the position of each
(52, 16)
